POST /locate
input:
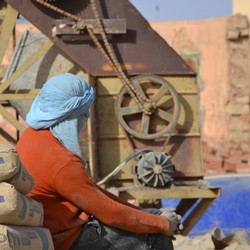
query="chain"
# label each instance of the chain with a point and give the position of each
(144, 103)
(130, 88)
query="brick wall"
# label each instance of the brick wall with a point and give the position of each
(233, 154)
(222, 46)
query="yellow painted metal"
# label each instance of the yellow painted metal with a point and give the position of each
(91, 128)
(196, 214)
(29, 94)
(9, 117)
(112, 86)
(3, 72)
(108, 143)
(181, 192)
(7, 29)
(194, 201)
(108, 89)
(184, 146)
(26, 65)
(8, 95)
(113, 152)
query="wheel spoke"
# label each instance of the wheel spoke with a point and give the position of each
(150, 163)
(161, 180)
(159, 94)
(130, 110)
(146, 173)
(156, 180)
(164, 115)
(145, 124)
(164, 107)
(165, 160)
(150, 177)
(139, 87)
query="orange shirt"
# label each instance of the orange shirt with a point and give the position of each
(69, 195)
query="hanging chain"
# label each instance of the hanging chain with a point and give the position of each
(144, 103)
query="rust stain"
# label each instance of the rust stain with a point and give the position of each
(125, 66)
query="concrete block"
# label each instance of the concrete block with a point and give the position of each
(238, 21)
(239, 84)
(245, 147)
(238, 45)
(237, 109)
(244, 32)
(243, 99)
(233, 34)
(239, 136)
(238, 123)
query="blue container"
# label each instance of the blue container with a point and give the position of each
(230, 212)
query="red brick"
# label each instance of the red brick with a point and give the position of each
(243, 167)
(213, 164)
(229, 165)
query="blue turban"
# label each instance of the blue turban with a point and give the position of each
(62, 106)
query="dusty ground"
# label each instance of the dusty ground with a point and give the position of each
(214, 240)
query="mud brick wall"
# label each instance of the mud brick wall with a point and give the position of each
(238, 109)
(233, 153)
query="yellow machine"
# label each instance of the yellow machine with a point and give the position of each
(144, 140)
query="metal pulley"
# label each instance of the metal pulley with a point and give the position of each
(162, 106)
(155, 169)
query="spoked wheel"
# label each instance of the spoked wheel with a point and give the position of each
(163, 106)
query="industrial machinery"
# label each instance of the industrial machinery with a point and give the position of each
(144, 132)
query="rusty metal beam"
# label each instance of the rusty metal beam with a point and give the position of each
(141, 50)
(68, 27)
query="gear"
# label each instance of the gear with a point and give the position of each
(155, 169)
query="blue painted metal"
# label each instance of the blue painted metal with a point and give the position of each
(230, 212)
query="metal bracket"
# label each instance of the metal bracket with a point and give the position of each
(66, 27)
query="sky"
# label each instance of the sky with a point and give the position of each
(172, 10)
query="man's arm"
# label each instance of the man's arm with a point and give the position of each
(74, 184)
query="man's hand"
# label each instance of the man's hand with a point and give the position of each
(152, 211)
(174, 221)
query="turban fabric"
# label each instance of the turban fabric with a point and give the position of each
(63, 107)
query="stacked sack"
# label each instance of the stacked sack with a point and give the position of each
(21, 218)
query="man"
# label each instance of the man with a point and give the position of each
(79, 213)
